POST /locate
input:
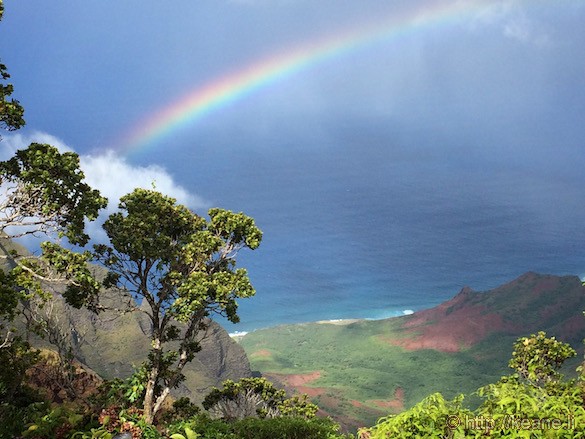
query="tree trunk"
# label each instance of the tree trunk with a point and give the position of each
(160, 400)
(149, 396)
(167, 389)
(157, 403)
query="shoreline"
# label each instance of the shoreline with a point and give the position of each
(237, 335)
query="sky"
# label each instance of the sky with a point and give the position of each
(391, 151)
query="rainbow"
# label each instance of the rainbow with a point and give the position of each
(201, 101)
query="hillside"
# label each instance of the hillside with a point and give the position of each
(362, 370)
(110, 344)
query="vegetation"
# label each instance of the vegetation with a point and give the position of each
(360, 371)
(256, 397)
(43, 194)
(357, 363)
(182, 268)
(11, 112)
(536, 401)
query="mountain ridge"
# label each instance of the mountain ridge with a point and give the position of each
(361, 370)
(470, 316)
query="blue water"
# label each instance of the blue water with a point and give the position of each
(358, 232)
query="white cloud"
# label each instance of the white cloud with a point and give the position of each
(111, 174)
(512, 19)
(14, 141)
(522, 29)
(115, 177)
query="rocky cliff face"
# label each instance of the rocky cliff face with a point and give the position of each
(111, 344)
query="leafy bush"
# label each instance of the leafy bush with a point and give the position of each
(121, 393)
(255, 428)
(57, 423)
(431, 418)
(286, 428)
(537, 358)
(255, 397)
(14, 418)
(534, 402)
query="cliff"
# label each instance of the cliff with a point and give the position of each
(111, 344)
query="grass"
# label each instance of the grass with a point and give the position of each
(359, 365)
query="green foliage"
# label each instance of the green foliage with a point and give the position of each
(44, 189)
(16, 415)
(183, 269)
(11, 112)
(358, 362)
(189, 434)
(81, 286)
(518, 409)
(123, 393)
(56, 423)
(183, 409)
(15, 359)
(256, 397)
(286, 428)
(203, 426)
(431, 418)
(93, 433)
(255, 428)
(537, 358)
(514, 407)
(8, 298)
(43, 192)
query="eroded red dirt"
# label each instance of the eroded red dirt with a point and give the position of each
(395, 405)
(470, 316)
(451, 326)
(298, 383)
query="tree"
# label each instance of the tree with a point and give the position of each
(42, 193)
(181, 268)
(538, 358)
(11, 112)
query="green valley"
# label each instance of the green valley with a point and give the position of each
(358, 371)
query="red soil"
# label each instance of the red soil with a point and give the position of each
(296, 380)
(451, 326)
(298, 383)
(396, 404)
(470, 317)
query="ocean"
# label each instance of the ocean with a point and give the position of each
(373, 233)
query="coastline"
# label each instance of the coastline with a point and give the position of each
(237, 335)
